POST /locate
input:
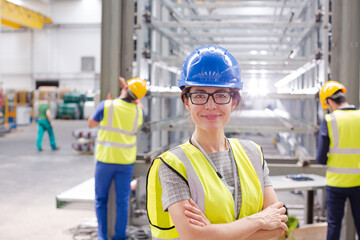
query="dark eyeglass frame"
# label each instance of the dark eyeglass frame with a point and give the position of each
(208, 96)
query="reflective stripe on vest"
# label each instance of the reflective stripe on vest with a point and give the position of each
(252, 151)
(344, 152)
(116, 140)
(191, 165)
(110, 127)
(335, 149)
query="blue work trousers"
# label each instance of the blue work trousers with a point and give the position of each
(335, 201)
(44, 125)
(104, 174)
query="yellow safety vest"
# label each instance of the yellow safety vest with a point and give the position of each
(116, 139)
(206, 188)
(343, 164)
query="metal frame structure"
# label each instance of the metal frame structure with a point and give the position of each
(278, 44)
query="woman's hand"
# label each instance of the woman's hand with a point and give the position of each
(195, 215)
(273, 216)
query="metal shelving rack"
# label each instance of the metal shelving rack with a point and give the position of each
(280, 42)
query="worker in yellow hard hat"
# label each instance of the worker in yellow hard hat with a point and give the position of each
(119, 121)
(339, 149)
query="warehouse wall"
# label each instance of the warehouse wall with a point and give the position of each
(55, 52)
(15, 59)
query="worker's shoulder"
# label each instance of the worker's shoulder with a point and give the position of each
(44, 106)
(173, 151)
(242, 141)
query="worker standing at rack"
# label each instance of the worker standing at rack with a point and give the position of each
(46, 124)
(339, 148)
(119, 121)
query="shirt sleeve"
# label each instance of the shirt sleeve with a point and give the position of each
(99, 112)
(323, 144)
(266, 172)
(174, 188)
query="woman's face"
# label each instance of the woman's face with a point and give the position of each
(210, 116)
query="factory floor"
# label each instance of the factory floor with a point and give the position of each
(30, 180)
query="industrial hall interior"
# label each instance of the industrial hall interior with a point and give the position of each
(179, 119)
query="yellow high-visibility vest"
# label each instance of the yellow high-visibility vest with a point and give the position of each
(343, 164)
(116, 139)
(206, 188)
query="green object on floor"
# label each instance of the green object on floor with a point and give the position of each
(292, 223)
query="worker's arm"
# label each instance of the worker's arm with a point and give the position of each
(92, 123)
(98, 115)
(267, 234)
(323, 144)
(269, 196)
(185, 217)
(138, 102)
(49, 117)
(269, 199)
(122, 82)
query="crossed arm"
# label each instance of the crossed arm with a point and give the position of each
(191, 223)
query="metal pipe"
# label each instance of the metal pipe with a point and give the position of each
(234, 24)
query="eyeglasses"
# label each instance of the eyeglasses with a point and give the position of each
(201, 98)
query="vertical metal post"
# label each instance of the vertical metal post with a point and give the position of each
(345, 51)
(117, 55)
(325, 43)
(345, 63)
(127, 40)
(111, 211)
(309, 207)
(110, 47)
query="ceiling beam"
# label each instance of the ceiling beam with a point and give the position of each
(14, 15)
(232, 24)
(9, 24)
(234, 34)
(238, 4)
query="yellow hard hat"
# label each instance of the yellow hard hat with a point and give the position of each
(327, 90)
(137, 86)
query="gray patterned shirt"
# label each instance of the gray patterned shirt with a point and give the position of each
(174, 189)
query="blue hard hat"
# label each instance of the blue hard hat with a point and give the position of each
(210, 66)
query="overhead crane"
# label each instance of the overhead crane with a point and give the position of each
(15, 16)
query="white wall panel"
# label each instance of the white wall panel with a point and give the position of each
(60, 50)
(84, 11)
(42, 47)
(54, 53)
(15, 53)
(15, 60)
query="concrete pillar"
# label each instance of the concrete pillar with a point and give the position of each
(117, 56)
(117, 44)
(345, 51)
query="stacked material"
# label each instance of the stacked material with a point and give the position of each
(68, 111)
(85, 140)
(72, 107)
(89, 109)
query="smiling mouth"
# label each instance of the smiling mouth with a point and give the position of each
(210, 117)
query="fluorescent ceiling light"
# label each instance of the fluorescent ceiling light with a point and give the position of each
(295, 74)
(17, 2)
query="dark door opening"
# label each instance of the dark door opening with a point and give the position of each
(50, 83)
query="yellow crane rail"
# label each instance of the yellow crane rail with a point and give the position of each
(15, 16)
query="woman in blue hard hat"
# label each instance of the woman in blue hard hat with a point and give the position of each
(212, 187)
